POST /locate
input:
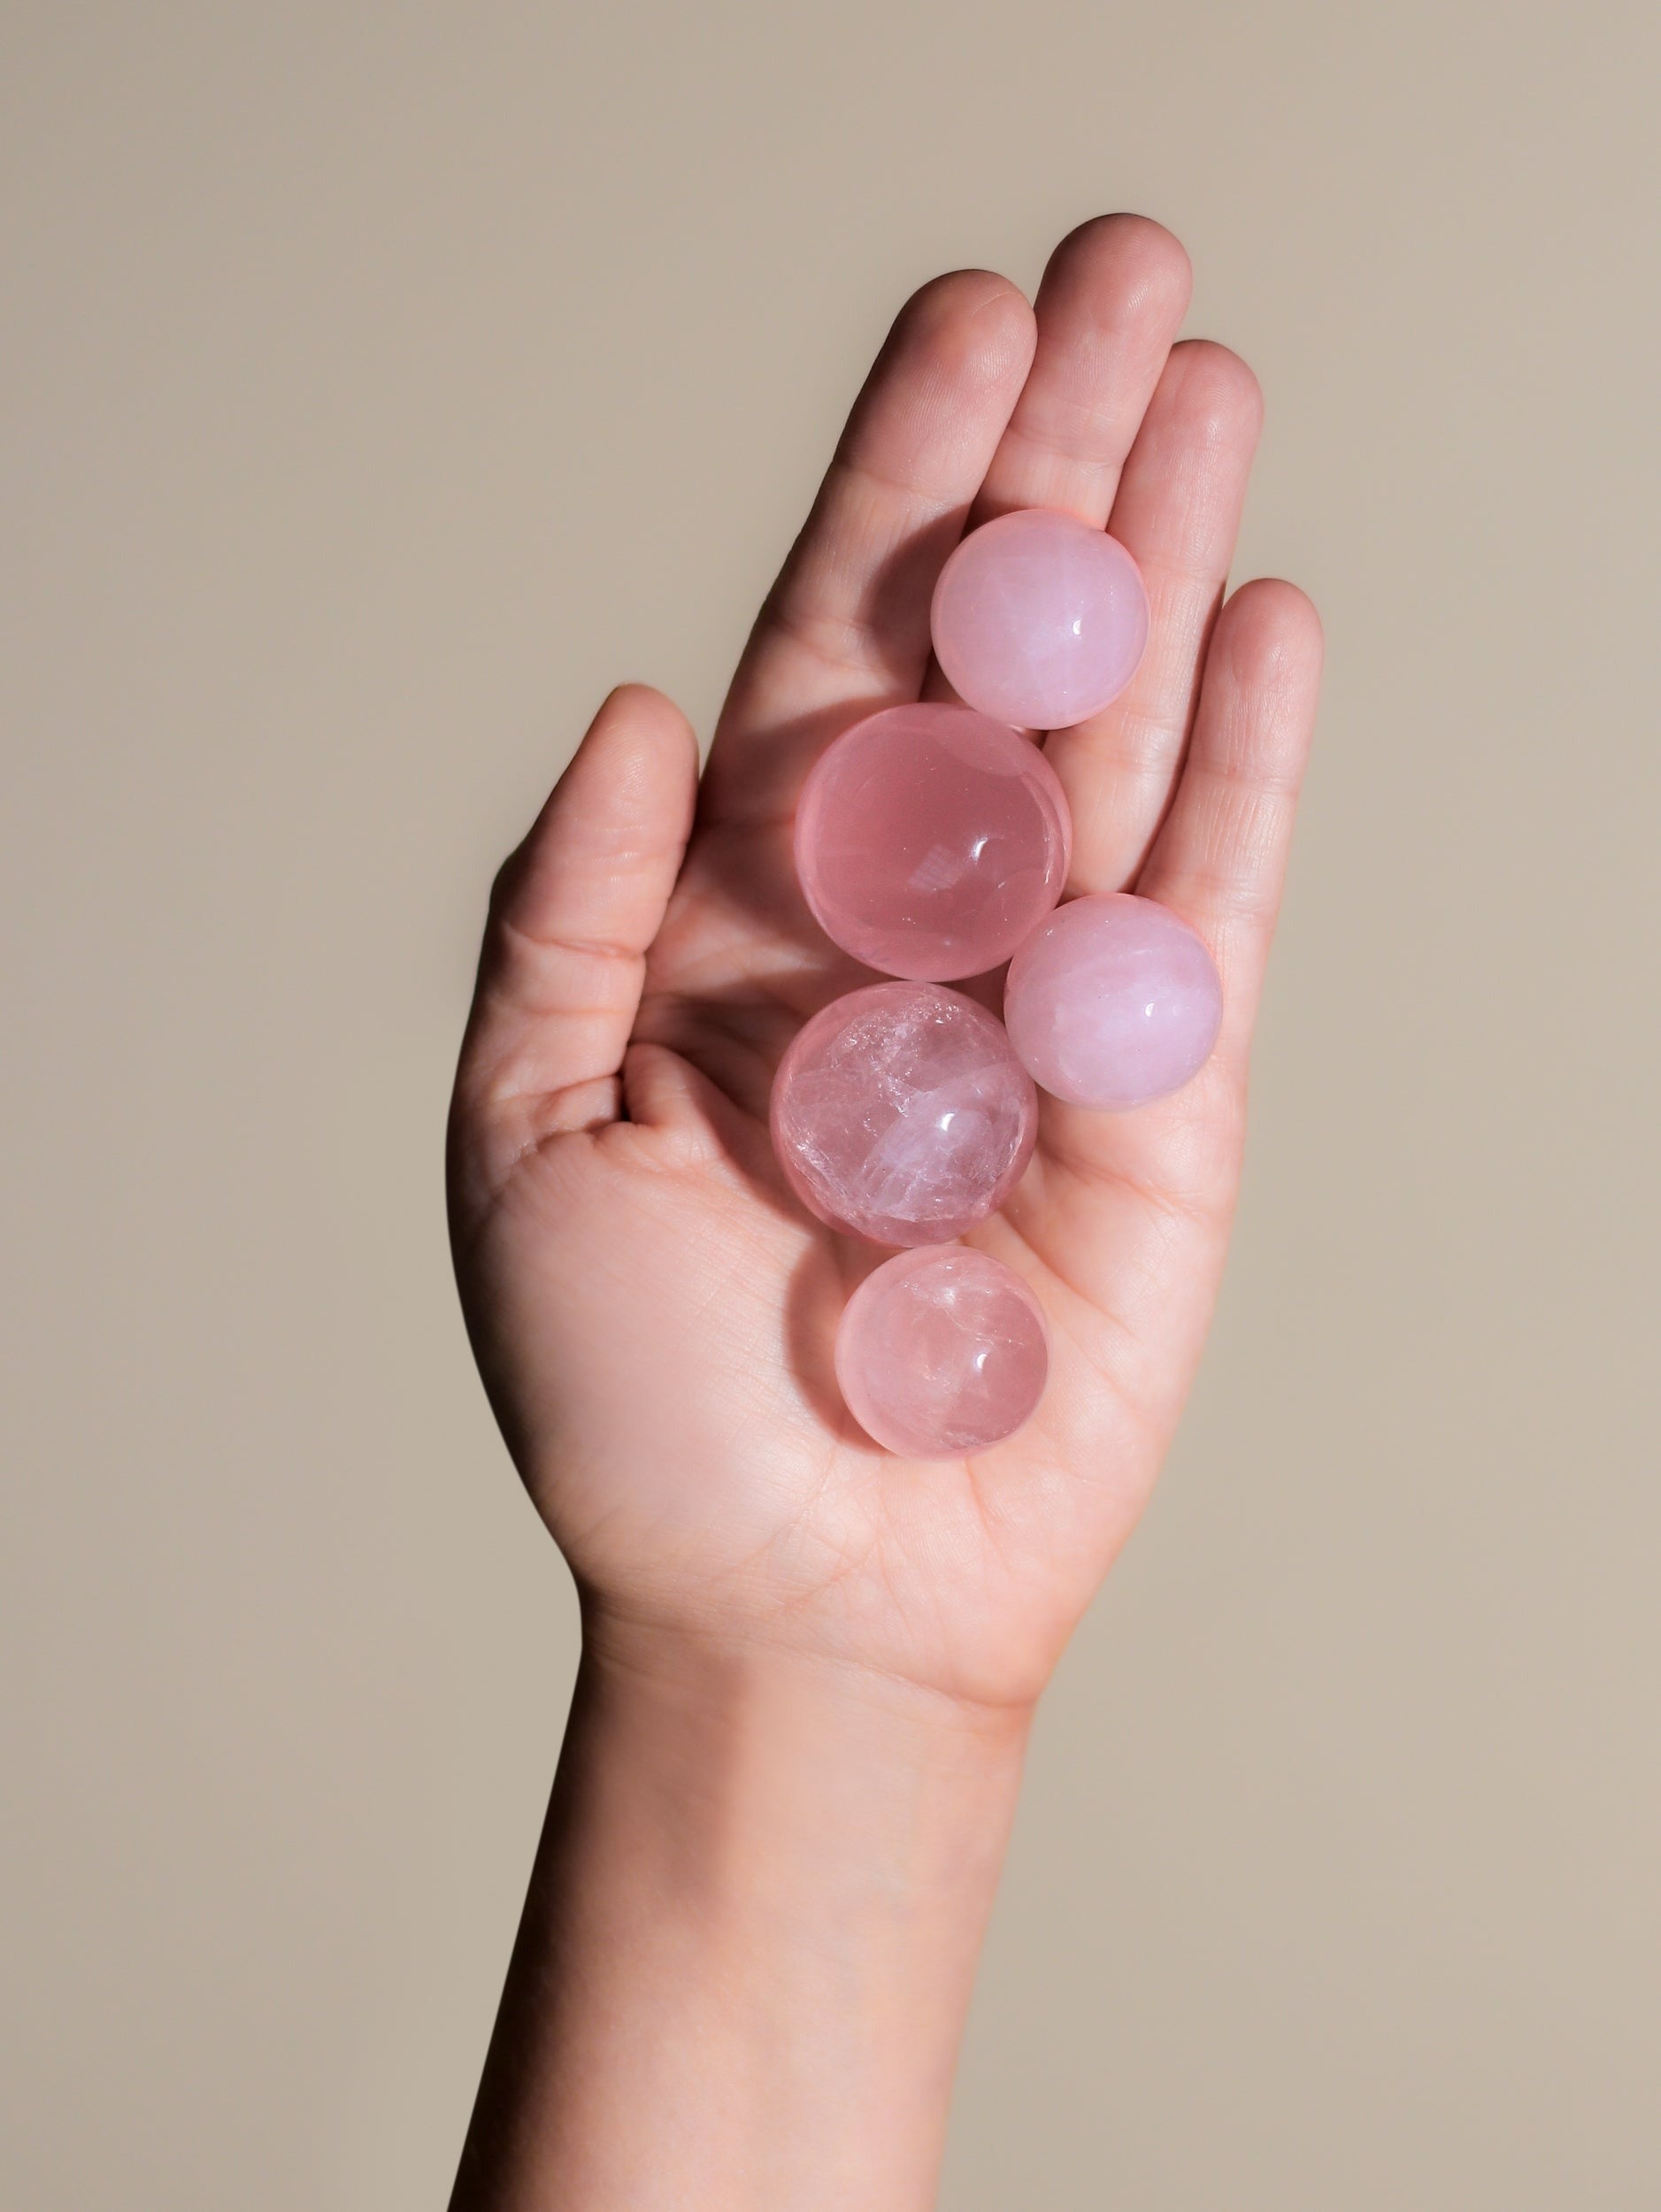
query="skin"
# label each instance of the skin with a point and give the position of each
(808, 1666)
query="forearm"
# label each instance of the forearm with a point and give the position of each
(750, 1942)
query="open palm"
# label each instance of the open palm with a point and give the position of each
(653, 1313)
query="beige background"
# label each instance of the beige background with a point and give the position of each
(383, 382)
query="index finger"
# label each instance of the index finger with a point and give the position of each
(846, 625)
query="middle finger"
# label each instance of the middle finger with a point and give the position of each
(1178, 511)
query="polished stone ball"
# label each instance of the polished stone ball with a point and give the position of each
(1113, 1001)
(901, 1114)
(930, 841)
(942, 1352)
(1040, 619)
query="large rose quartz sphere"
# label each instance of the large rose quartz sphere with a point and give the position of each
(901, 1114)
(930, 841)
(1112, 1002)
(942, 1352)
(1040, 619)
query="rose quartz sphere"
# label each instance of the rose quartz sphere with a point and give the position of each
(1112, 1002)
(901, 1114)
(942, 1352)
(1040, 619)
(930, 841)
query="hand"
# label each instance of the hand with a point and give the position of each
(652, 1312)
(796, 1739)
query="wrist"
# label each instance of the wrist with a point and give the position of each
(749, 1688)
(796, 1793)
(761, 1889)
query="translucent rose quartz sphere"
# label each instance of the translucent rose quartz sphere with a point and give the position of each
(941, 1352)
(1039, 619)
(930, 841)
(901, 1114)
(1112, 1002)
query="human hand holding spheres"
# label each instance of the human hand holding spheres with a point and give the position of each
(933, 842)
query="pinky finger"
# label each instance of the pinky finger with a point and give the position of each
(1219, 859)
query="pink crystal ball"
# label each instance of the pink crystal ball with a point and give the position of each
(901, 1114)
(1112, 1002)
(1039, 619)
(942, 1352)
(929, 841)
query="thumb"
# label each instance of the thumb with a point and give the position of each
(571, 915)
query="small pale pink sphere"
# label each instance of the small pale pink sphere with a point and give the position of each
(942, 1352)
(930, 841)
(1040, 619)
(1113, 1002)
(901, 1114)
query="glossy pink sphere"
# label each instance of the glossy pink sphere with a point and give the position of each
(929, 841)
(901, 1114)
(1112, 1002)
(1040, 619)
(942, 1352)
